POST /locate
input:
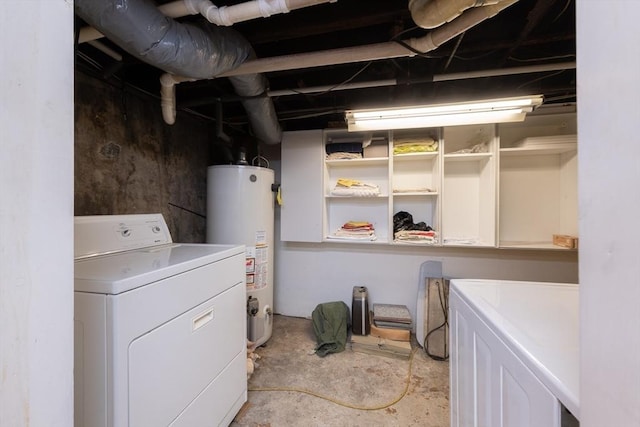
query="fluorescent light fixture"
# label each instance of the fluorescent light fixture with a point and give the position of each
(461, 113)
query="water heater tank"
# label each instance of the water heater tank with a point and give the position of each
(240, 210)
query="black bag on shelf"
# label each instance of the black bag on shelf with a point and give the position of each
(402, 221)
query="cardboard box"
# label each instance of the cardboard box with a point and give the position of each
(565, 241)
(376, 150)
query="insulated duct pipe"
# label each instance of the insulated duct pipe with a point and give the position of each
(373, 52)
(433, 13)
(259, 107)
(138, 27)
(186, 50)
(225, 15)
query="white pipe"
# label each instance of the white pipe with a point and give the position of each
(321, 58)
(372, 52)
(176, 9)
(168, 96)
(467, 20)
(331, 88)
(435, 78)
(229, 15)
(89, 33)
(505, 71)
(434, 13)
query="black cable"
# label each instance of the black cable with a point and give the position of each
(357, 73)
(566, 6)
(548, 58)
(540, 78)
(473, 58)
(397, 36)
(187, 210)
(414, 50)
(444, 305)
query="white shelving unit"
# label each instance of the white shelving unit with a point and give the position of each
(517, 191)
(416, 179)
(342, 209)
(469, 186)
(538, 182)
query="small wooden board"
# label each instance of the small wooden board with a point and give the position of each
(390, 333)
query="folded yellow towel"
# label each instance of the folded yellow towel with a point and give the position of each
(345, 182)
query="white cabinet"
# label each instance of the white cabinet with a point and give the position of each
(416, 177)
(367, 202)
(405, 176)
(469, 186)
(490, 385)
(511, 185)
(302, 155)
(538, 181)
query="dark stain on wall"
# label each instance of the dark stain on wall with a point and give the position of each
(128, 161)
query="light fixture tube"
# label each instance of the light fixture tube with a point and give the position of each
(463, 113)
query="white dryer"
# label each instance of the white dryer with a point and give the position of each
(160, 327)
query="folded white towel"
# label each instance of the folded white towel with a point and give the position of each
(356, 191)
(335, 237)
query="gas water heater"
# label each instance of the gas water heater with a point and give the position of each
(240, 210)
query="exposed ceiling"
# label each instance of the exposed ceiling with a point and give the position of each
(535, 37)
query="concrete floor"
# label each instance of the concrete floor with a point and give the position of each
(349, 382)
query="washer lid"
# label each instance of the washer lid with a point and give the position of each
(122, 271)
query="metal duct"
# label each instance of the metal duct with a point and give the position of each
(189, 50)
(259, 106)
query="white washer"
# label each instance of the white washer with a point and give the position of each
(160, 328)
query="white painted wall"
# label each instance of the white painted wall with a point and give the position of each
(609, 179)
(36, 213)
(307, 274)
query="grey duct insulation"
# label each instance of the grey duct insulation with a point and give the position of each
(185, 49)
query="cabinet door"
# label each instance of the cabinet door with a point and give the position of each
(302, 186)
